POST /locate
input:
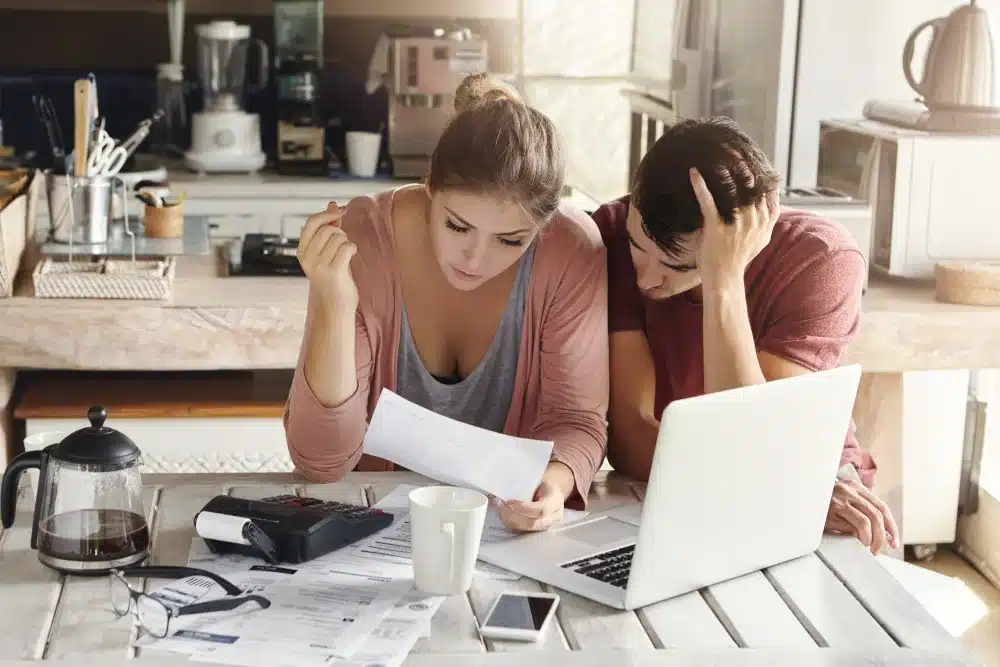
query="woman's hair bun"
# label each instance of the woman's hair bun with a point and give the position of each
(482, 88)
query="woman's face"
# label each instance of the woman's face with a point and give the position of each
(476, 237)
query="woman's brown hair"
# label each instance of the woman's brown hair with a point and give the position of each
(497, 144)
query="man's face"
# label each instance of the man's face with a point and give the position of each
(661, 276)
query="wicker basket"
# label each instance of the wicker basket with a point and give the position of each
(970, 283)
(105, 279)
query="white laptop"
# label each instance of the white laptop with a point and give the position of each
(740, 480)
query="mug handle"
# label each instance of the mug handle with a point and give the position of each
(448, 528)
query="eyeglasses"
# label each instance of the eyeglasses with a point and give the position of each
(154, 614)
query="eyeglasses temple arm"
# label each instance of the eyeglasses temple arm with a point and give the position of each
(222, 604)
(176, 572)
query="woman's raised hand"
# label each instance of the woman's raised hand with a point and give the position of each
(325, 254)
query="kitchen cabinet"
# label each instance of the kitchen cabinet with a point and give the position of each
(232, 218)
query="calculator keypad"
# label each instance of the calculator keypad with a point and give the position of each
(348, 510)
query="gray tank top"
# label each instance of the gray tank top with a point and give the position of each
(483, 398)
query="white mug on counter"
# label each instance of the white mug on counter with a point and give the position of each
(362, 152)
(446, 526)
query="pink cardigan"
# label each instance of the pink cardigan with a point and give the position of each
(561, 382)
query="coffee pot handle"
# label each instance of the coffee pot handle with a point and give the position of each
(911, 41)
(10, 483)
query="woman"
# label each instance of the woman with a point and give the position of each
(473, 296)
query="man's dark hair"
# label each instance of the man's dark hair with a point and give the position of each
(735, 170)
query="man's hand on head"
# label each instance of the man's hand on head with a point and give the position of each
(855, 510)
(726, 250)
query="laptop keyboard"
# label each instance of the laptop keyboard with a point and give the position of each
(611, 567)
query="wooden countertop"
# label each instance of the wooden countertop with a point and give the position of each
(152, 395)
(201, 283)
(216, 322)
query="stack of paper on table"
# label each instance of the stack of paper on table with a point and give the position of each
(322, 613)
(356, 605)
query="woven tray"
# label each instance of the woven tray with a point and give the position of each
(970, 283)
(105, 279)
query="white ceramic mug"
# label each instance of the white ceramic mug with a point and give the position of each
(362, 152)
(446, 526)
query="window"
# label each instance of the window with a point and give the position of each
(575, 59)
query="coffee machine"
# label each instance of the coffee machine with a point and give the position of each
(425, 66)
(225, 137)
(298, 63)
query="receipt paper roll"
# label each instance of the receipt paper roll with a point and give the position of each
(222, 527)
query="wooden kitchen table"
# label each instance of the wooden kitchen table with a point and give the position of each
(836, 607)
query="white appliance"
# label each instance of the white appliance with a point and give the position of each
(926, 191)
(957, 82)
(777, 67)
(958, 67)
(631, 557)
(224, 136)
(852, 213)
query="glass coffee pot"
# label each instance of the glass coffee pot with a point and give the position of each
(88, 515)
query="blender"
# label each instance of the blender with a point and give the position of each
(225, 137)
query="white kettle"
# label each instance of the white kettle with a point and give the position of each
(958, 69)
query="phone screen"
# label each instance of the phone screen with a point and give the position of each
(520, 612)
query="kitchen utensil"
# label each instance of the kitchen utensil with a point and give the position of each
(53, 131)
(959, 66)
(81, 125)
(93, 111)
(88, 516)
(134, 140)
(106, 157)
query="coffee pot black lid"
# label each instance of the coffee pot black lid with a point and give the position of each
(97, 444)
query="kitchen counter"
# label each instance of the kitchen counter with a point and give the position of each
(272, 184)
(217, 322)
(269, 185)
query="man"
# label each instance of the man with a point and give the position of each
(712, 287)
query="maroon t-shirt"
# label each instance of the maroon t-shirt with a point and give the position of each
(803, 298)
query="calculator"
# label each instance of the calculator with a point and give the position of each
(302, 528)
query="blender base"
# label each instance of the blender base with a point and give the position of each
(225, 141)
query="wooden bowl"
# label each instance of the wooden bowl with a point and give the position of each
(969, 283)
(164, 222)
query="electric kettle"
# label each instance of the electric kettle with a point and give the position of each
(88, 515)
(958, 68)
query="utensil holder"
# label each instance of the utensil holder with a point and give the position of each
(164, 222)
(79, 208)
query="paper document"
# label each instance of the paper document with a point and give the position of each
(385, 644)
(453, 452)
(392, 640)
(312, 616)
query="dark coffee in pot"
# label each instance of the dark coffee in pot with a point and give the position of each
(93, 535)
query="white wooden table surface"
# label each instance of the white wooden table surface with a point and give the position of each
(836, 607)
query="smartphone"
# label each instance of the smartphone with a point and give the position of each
(520, 616)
